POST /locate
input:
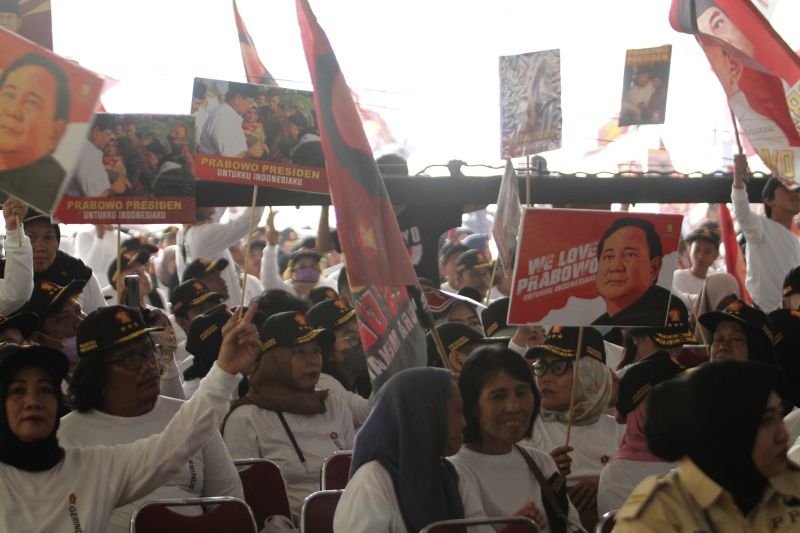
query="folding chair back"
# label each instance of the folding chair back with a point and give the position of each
(318, 510)
(230, 514)
(516, 524)
(264, 488)
(606, 522)
(336, 470)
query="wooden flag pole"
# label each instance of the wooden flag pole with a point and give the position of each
(736, 131)
(19, 230)
(440, 347)
(247, 253)
(574, 383)
(528, 180)
(700, 329)
(494, 272)
(119, 261)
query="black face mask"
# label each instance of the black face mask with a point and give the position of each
(355, 360)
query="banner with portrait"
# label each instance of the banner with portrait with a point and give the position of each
(530, 103)
(133, 169)
(609, 269)
(257, 135)
(644, 86)
(505, 227)
(759, 73)
(31, 19)
(46, 106)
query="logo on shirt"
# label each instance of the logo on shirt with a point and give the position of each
(334, 435)
(604, 459)
(73, 514)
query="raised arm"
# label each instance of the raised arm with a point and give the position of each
(17, 285)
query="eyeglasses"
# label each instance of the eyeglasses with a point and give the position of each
(556, 367)
(352, 338)
(134, 361)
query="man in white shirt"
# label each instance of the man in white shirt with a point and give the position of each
(772, 248)
(222, 133)
(704, 251)
(91, 177)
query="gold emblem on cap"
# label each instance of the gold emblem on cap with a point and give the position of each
(122, 316)
(340, 304)
(300, 319)
(735, 307)
(197, 285)
(674, 315)
(46, 285)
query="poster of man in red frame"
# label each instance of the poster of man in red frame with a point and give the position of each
(609, 269)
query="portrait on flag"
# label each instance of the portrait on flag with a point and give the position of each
(46, 103)
(31, 19)
(258, 135)
(758, 71)
(610, 269)
(530, 103)
(142, 174)
(645, 84)
(506, 219)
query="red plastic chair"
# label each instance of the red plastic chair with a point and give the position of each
(230, 514)
(318, 509)
(606, 522)
(336, 470)
(264, 489)
(516, 524)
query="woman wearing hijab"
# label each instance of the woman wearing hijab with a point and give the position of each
(500, 403)
(595, 436)
(285, 418)
(45, 487)
(400, 480)
(723, 423)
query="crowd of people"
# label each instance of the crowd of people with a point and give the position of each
(143, 375)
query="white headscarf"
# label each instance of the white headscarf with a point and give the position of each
(591, 397)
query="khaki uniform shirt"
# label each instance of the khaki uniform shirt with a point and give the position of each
(688, 500)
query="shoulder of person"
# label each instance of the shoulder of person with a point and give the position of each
(643, 495)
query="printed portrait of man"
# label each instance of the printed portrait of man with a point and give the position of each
(629, 261)
(9, 15)
(34, 112)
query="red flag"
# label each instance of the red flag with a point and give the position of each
(734, 262)
(758, 71)
(378, 265)
(370, 237)
(253, 67)
(375, 128)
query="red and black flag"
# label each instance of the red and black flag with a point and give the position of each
(378, 264)
(253, 67)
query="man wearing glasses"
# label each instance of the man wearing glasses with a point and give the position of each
(222, 132)
(115, 391)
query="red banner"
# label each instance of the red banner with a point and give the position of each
(734, 262)
(758, 71)
(564, 278)
(261, 173)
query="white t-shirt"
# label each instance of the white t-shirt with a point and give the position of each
(360, 407)
(620, 477)
(686, 282)
(595, 445)
(223, 133)
(251, 431)
(80, 492)
(209, 473)
(17, 285)
(504, 482)
(369, 504)
(90, 177)
(772, 251)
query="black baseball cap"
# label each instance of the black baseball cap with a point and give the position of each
(449, 249)
(26, 323)
(454, 335)
(495, 316)
(202, 267)
(36, 216)
(791, 283)
(303, 252)
(137, 244)
(706, 233)
(108, 327)
(472, 259)
(330, 314)
(677, 331)
(289, 329)
(752, 319)
(47, 295)
(13, 356)
(126, 261)
(321, 293)
(769, 188)
(190, 294)
(288, 236)
(562, 341)
(205, 333)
